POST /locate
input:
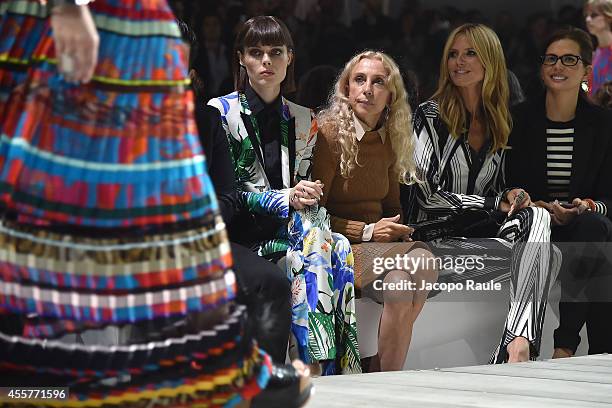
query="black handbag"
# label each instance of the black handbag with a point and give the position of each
(464, 222)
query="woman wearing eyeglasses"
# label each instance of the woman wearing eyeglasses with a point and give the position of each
(598, 20)
(562, 154)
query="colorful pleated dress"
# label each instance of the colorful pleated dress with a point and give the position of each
(109, 220)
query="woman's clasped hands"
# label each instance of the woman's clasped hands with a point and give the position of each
(305, 193)
(562, 214)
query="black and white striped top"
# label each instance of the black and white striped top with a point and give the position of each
(443, 162)
(601, 207)
(559, 153)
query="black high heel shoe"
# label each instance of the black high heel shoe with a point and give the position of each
(283, 389)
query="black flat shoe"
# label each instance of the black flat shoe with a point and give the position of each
(283, 389)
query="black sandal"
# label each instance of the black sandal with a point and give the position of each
(283, 389)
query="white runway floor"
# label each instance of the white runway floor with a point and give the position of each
(572, 382)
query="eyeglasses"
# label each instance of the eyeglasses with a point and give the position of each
(568, 60)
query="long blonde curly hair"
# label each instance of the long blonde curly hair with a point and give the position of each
(495, 95)
(338, 117)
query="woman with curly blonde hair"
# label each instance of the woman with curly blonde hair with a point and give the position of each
(397, 116)
(461, 138)
(363, 152)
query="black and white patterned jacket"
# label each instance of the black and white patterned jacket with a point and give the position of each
(443, 166)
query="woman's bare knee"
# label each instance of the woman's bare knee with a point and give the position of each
(398, 286)
(425, 268)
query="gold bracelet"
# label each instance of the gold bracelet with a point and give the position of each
(591, 204)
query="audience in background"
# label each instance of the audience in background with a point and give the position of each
(603, 96)
(315, 85)
(323, 34)
(598, 19)
(212, 63)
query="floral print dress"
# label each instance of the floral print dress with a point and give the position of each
(319, 263)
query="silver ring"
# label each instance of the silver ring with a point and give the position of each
(66, 64)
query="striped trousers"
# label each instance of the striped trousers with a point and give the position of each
(520, 252)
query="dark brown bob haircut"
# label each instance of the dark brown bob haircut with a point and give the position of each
(264, 30)
(578, 36)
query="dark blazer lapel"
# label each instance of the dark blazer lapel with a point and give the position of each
(533, 142)
(246, 120)
(536, 133)
(584, 141)
(291, 148)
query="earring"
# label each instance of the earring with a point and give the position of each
(386, 113)
(585, 86)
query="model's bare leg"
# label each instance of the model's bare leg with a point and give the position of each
(400, 311)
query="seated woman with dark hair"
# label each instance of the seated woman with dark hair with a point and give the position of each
(271, 141)
(262, 286)
(363, 151)
(562, 152)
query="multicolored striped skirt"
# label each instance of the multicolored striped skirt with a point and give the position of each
(108, 219)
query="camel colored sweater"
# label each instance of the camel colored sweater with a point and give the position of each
(372, 191)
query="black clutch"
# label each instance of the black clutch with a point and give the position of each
(429, 230)
(454, 225)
